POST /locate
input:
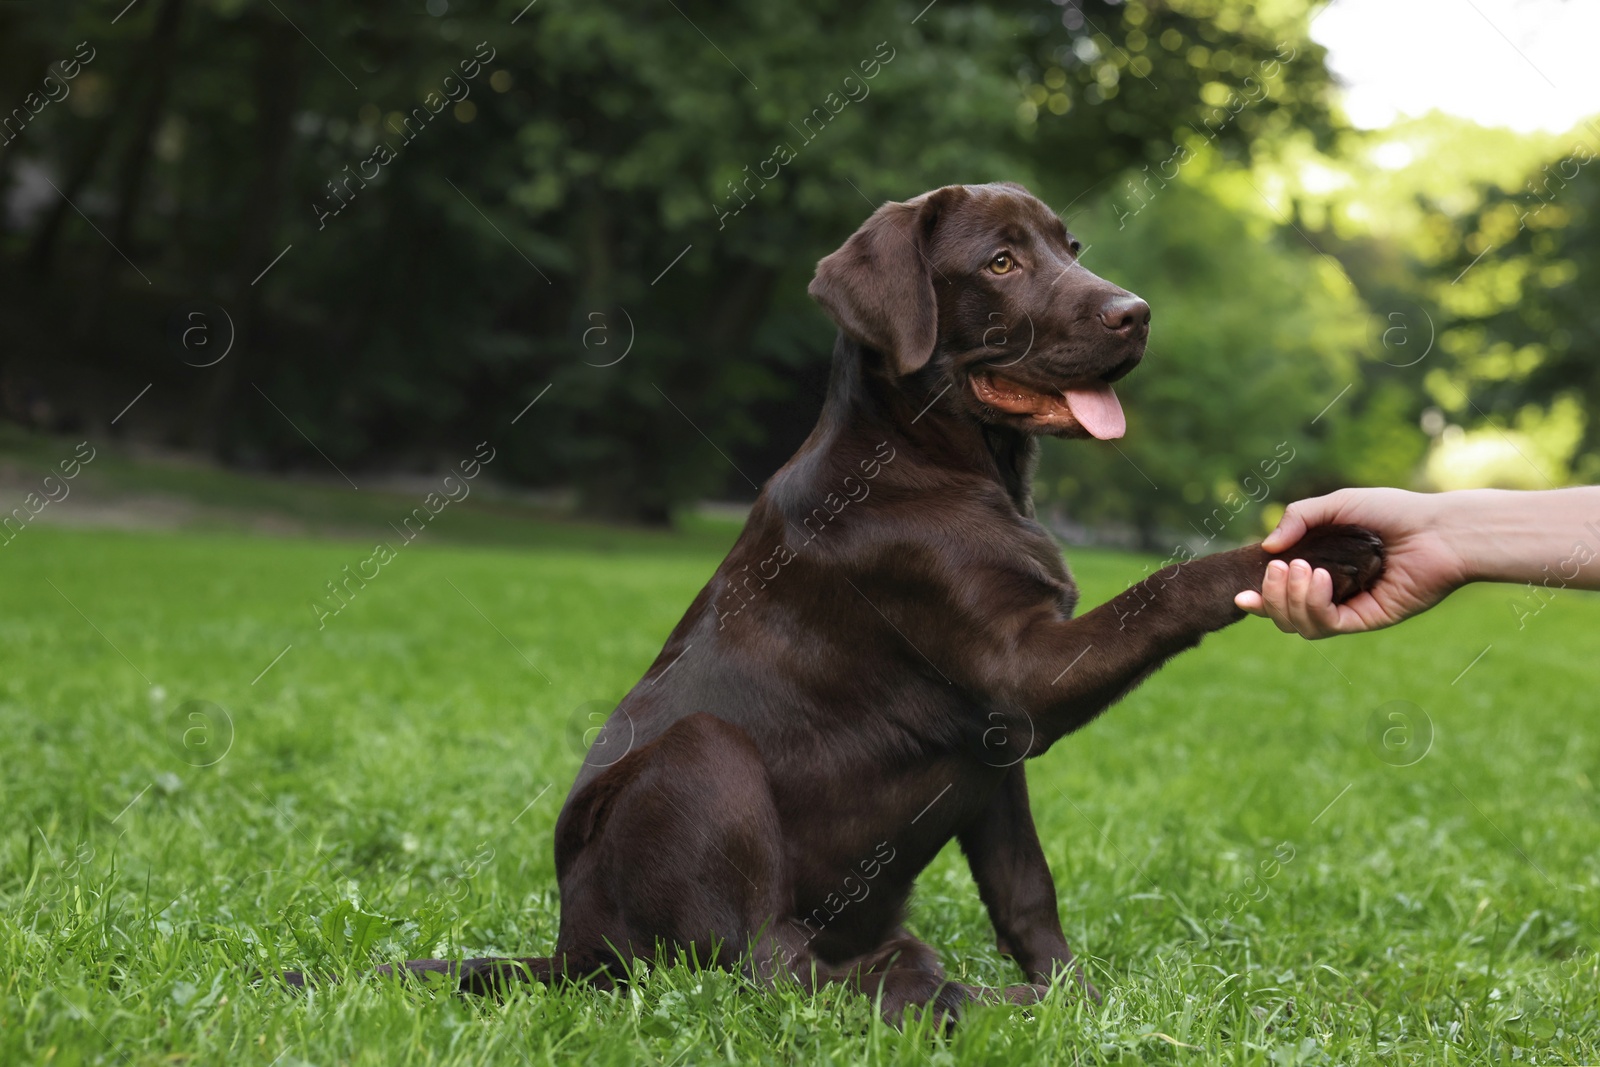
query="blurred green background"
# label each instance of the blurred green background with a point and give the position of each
(403, 223)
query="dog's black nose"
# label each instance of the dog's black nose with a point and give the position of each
(1126, 314)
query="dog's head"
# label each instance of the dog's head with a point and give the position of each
(981, 284)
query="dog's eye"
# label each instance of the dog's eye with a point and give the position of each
(1002, 264)
(1076, 246)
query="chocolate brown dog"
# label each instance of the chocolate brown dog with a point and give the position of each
(890, 638)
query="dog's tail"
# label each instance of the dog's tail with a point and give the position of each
(487, 974)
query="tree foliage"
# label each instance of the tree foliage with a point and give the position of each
(476, 201)
(1525, 333)
(1478, 259)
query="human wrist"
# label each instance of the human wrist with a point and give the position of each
(1475, 526)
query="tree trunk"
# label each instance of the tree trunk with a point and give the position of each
(279, 84)
(135, 163)
(41, 250)
(35, 75)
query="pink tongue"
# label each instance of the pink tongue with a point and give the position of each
(1098, 411)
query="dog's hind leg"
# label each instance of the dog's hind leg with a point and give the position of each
(677, 844)
(906, 979)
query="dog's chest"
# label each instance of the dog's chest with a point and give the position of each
(1043, 557)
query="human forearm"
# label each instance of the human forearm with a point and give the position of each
(1547, 537)
(1434, 543)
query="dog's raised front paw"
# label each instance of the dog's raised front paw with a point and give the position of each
(1352, 555)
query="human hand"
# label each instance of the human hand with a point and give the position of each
(1421, 565)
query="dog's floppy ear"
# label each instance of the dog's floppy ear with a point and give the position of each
(879, 285)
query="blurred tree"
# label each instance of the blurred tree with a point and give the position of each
(1477, 247)
(476, 201)
(1524, 326)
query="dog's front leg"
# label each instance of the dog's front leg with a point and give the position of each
(1053, 675)
(1014, 881)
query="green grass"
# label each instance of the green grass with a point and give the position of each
(223, 500)
(387, 789)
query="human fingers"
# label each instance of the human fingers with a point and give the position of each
(1309, 610)
(1319, 616)
(1275, 595)
(1364, 612)
(1301, 516)
(1297, 605)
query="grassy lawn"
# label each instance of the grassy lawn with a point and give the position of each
(1253, 871)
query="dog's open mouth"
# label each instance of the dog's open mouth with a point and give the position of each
(1090, 405)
